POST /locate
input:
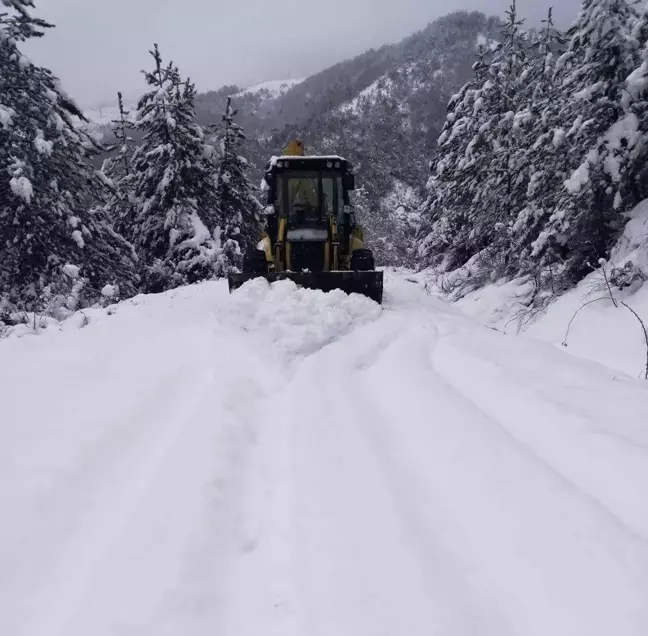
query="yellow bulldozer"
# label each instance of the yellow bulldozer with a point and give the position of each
(311, 235)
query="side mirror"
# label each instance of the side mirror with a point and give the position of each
(349, 182)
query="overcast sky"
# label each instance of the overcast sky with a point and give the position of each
(100, 46)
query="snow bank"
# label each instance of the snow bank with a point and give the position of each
(601, 332)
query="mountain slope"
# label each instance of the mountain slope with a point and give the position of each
(184, 470)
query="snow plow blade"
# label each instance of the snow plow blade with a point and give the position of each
(368, 284)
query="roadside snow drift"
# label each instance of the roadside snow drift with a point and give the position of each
(601, 331)
(288, 462)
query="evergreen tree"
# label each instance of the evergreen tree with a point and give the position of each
(543, 148)
(637, 105)
(120, 165)
(504, 178)
(238, 207)
(119, 171)
(454, 186)
(477, 174)
(592, 74)
(388, 226)
(57, 251)
(555, 149)
(173, 227)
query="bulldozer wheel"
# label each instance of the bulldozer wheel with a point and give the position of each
(362, 260)
(255, 263)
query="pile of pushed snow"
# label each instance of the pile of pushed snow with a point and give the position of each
(298, 321)
(600, 332)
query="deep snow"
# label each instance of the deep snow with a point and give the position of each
(282, 461)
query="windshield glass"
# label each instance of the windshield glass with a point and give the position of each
(308, 195)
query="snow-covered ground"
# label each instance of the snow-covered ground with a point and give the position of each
(601, 331)
(284, 462)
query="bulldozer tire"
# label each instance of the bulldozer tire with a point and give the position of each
(362, 260)
(255, 263)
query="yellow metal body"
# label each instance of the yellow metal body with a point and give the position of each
(336, 256)
(294, 149)
(279, 255)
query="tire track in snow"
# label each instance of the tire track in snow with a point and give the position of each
(314, 565)
(448, 572)
(76, 510)
(513, 526)
(106, 525)
(261, 571)
(373, 519)
(174, 548)
(556, 435)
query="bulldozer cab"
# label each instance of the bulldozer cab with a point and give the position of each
(317, 187)
(310, 195)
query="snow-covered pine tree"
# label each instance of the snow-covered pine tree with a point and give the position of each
(238, 207)
(454, 185)
(386, 226)
(478, 177)
(56, 253)
(174, 222)
(119, 165)
(119, 171)
(542, 148)
(592, 74)
(504, 177)
(637, 105)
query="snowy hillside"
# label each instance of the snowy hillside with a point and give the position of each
(281, 461)
(103, 115)
(368, 96)
(270, 90)
(100, 119)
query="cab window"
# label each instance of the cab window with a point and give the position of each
(328, 188)
(302, 193)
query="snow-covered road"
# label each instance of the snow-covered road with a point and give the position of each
(288, 463)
